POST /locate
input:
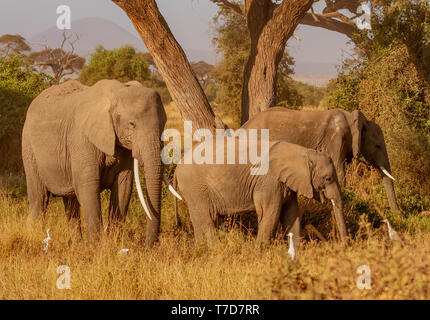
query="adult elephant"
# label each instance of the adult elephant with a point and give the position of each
(232, 188)
(79, 140)
(343, 135)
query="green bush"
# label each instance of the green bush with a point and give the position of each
(18, 87)
(123, 64)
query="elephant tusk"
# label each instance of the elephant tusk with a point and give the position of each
(171, 189)
(332, 202)
(139, 188)
(387, 173)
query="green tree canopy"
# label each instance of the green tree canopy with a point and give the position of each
(13, 44)
(123, 64)
(19, 85)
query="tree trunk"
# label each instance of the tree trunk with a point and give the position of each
(270, 27)
(171, 61)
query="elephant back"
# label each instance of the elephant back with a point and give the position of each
(54, 99)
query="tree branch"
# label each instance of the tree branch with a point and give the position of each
(225, 4)
(329, 24)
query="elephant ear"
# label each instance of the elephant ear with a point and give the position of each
(97, 124)
(292, 165)
(357, 122)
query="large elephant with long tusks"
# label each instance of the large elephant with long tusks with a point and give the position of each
(342, 135)
(79, 140)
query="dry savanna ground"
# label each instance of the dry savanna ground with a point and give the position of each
(236, 268)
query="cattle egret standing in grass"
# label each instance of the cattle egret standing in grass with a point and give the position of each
(391, 232)
(123, 252)
(46, 241)
(291, 250)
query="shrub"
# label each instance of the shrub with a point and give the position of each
(18, 87)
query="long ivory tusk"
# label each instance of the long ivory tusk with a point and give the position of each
(332, 202)
(387, 173)
(171, 189)
(139, 188)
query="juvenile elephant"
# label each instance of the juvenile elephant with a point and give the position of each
(341, 134)
(220, 189)
(79, 140)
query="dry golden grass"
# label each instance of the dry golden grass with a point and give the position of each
(236, 268)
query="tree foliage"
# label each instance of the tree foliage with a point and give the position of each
(19, 85)
(390, 83)
(123, 64)
(232, 41)
(11, 44)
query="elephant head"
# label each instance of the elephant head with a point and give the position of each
(368, 144)
(132, 117)
(311, 174)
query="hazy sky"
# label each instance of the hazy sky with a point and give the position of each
(189, 20)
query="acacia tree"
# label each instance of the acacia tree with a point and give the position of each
(60, 61)
(13, 44)
(171, 61)
(270, 23)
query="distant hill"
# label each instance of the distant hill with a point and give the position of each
(92, 32)
(98, 31)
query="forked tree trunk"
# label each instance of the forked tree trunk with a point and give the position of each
(171, 61)
(270, 27)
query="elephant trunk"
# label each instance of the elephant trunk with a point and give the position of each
(336, 199)
(389, 189)
(340, 220)
(153, 168)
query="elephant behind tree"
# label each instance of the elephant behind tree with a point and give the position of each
(342, 135)
(79, 140)
(220, 189)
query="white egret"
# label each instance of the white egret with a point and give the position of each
(291, 250)
(391, 232)
(46, 241)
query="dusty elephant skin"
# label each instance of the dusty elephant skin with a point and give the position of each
(220, 189)
(79, 140)
(343, 135)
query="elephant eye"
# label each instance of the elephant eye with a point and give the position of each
(328, 179)
(132, 124)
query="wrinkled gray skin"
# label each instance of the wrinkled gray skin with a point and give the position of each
(221, 189)
(79, 140)
(342, 135)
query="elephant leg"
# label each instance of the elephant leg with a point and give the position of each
(38, 194)
(268, 211)
(71, 206)
(120, 198)
(203, 225)
(89, 198)
(291, 219)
